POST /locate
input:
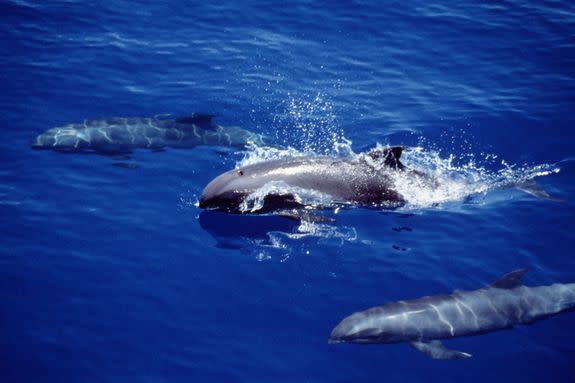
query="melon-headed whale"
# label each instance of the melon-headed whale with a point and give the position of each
(425, 321)
(123, 134)
(295, 185)
(365, 179)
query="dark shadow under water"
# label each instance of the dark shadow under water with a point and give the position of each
(231, 230)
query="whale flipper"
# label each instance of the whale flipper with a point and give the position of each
(436, 350)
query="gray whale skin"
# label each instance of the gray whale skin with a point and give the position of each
(123, 134)
(423, 322)
(343, 180)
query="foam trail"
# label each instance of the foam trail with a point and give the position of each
(456, 182)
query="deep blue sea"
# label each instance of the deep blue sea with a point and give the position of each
(113, 274)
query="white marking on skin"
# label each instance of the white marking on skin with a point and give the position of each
(441, 318)
(81, 134)
(131, 132)
(458, 307)
(56, 138)
(404, 314)
(535, 308)
(495, 309)
(196, 132)
(105, 135)
(519, 308)
(552, 305)
(475, 319)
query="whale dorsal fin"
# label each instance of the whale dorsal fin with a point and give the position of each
(510, 280)
(203, 120)
(389, 155)
(392, 157)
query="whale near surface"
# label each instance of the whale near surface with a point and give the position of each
(123, 134)
(425, 321)
(366, 179)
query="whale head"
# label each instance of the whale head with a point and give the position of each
(354, 329)
(60, 139)
(225, 192)
(228, 191)
(370, 326)
(46, 140)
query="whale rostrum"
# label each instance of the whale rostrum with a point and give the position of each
(424, 322)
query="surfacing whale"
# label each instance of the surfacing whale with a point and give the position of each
(366, 180)
(123, 134)
(425, 321)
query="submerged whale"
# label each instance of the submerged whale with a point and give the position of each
(123, 134)
(423, 322)
(366, 179)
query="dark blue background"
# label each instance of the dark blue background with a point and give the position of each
(111, 274)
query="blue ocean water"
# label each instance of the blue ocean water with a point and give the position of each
(109, 274)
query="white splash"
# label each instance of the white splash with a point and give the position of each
(255, 154)
(255, 201)
(309, 230)
(429, 181)
(453, 182)
(309, 124)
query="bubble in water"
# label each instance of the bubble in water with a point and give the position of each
(305, 126)
(308, 124)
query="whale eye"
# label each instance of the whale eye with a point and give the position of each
(241, 172)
